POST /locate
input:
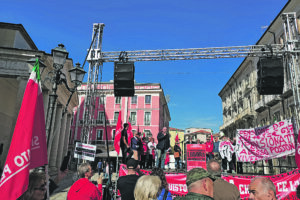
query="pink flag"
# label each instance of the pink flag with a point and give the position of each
(129, 133)
(28, 147)
(118, 133)
(297, 152)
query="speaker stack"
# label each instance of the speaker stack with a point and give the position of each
(270, 79)
(124, 78)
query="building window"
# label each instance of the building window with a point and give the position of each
(147, 119)
(99, 134)
(134, 99)
(148, 99)
(116, 116)
(101, 99)
(118, 100)
(100, 118)
(133, 118)
(113, 134)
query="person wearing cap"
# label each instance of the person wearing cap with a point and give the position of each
(126, 184)
(200, 184)
(163, 146)
(222, 189)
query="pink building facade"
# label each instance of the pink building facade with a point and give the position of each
(147, 111)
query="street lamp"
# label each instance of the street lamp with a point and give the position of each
(60, 54)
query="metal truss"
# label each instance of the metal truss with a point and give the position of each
(190, 54)
(289, 50)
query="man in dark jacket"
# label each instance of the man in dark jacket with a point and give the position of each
(162, 147)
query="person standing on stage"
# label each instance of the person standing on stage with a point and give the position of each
(163, 146)
(177, 155)
(124, 143)
(151, 154)
(209, 147)
(144, 152)
(216, 150)
(136, 146)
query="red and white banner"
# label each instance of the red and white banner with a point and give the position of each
(28, 147)
(265, 143)
(176, 182)
(285, 184)
(195, 156)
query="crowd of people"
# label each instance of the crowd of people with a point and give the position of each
(139, 154)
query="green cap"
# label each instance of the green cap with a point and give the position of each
(197, 174)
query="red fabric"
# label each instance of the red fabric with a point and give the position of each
(145, 147)
(210, 144)
(118, 134)
(83, 189)
(297, 151)
(167, 160)
(28, 147)
(129, 133)
(176, 138)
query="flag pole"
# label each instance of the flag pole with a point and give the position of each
(117, 176)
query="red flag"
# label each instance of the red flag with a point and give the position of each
(118, 134)
(297, 152)
(176, 138)
(28, 147)
(129, 133)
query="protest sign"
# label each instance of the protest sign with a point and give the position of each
(265, 143)
(226, 150)
(195, 156)
(85, 151)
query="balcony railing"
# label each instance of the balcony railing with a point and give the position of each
(260, 106)
(271, 100)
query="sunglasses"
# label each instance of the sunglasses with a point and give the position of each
(42, 188)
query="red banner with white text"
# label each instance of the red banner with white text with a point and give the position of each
(285, 184)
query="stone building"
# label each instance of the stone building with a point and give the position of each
(243, 107)
(16, 48)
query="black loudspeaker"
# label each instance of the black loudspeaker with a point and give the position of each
(270, 73)
(124, 78)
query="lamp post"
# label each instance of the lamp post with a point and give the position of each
(60, 54)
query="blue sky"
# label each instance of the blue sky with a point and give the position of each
(194, 85)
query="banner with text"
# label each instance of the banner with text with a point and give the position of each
(176, 181)
(195, 156)
(285, 184)
(266, 142)
(85, 151)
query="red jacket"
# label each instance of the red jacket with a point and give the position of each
(210, 144)
(84, 189)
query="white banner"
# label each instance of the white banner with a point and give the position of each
(266, 142)
(85, 151)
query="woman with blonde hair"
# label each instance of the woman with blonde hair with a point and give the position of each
(147, 188)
